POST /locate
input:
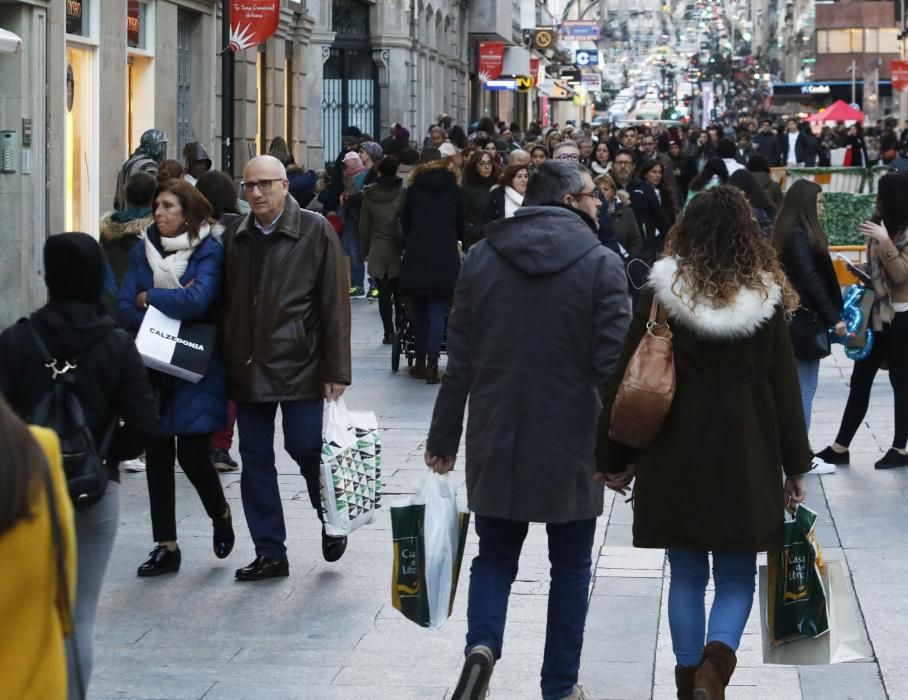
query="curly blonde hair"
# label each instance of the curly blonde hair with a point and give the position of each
(720, 250)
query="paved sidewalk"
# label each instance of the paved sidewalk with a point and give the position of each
(329, 632)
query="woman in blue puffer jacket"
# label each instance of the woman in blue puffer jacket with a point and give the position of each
(178, 269)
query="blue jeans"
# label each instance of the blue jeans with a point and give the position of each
(808, 374)
(302, 423)
(350, 244)
(494, 570)
(428, 324)
(734, 574)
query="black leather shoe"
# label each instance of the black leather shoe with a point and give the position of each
(223, 535)
(262, 568)
(333, 548)
(161, 561)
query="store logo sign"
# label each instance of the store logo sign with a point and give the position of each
(583, 57)
(491, 60)
(815, 89)
(252, 22)
(132, 23)
(74, 17)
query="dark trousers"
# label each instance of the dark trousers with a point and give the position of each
(428, 324)
(192, 453)
(891, 345)
(388, 303)
(494, 570)
(302, 423)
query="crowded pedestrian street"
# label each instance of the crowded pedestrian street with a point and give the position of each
(329, 631)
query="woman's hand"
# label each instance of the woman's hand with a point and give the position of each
(617, 482)
(840, 329)
(438, 463)
(794, 492)
(142, 300)
(876, 232)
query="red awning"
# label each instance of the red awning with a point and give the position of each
(838, 112)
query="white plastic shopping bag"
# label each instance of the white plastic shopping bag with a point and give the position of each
(429, 531)
(350, 472)
(843, 642)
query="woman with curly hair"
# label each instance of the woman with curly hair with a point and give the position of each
(710, 481)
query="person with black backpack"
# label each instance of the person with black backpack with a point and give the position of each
(68, 367)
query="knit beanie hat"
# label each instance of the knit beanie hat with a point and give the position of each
(74, 268)
(402, 135)
(373, 149)
(352, 164)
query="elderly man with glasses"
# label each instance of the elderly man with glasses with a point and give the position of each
(539, 319)
(286, 340)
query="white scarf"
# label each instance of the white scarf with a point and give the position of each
(168, 270)
(513, 200)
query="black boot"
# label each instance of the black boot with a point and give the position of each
(418, 370)
(223, 535)
(432, 370)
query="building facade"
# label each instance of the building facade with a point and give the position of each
(92, 75)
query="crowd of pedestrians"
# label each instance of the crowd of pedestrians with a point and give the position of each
(521, 254)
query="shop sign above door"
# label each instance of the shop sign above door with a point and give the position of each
(74, 17)
(252, 22)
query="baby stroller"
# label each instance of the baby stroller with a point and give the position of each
(403, 342)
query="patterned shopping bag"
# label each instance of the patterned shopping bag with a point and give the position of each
(350, 473)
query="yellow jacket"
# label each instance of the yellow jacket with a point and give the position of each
(34, 621)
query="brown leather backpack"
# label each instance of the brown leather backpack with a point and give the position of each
(648, 387)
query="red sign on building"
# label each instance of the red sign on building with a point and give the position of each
(491, 60)
(899, 74)
(252, 22)
(132, 23)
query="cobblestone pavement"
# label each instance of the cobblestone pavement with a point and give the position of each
(329, 632)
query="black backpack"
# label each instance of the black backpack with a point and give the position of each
(61, 411)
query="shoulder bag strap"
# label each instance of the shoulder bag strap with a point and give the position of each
(63, 593)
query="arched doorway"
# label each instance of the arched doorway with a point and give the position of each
(350, 77)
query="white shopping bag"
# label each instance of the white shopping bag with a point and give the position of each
(350, 472)
(430, 532)
(842, 643)
(181, 349)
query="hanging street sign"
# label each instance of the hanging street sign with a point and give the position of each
(252, 22)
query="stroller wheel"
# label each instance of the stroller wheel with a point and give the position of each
(395, 352)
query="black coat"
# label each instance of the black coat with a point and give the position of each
(813, 277)
(432, 224)
(495, 206)
(475, 204)
(712, 479)
(110, 380)
(769, 146)
(651, 217)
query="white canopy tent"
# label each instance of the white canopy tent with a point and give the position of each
(9, 42)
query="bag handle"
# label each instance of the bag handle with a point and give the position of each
(64, 593)
(658, 316)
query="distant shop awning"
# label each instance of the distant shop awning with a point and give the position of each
(838, 112)
(9, 42)
(555, 89)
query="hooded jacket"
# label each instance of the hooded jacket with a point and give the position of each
(539, 318)
(379, 227)
(712, 479)
(432, 223)
(120, 231)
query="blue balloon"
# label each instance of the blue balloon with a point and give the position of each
(853, 316)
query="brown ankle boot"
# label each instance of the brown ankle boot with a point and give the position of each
(432, 370)
(418, 370)
(714, 672)
(684, 681)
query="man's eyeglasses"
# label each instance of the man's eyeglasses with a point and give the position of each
(568, 156)
(624, 162)
(592, 194)
(263, 185)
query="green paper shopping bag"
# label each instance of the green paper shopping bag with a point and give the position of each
(797, 604)
(429, 532)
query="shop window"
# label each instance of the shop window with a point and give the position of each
(871, 40)
(184, 80)
(139, 71)
(80, 157)
(889, 41)
(79, 18)
(138, 25)
(822, 41)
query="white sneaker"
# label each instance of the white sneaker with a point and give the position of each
(818, 466)
(577, 694)
(134, 465)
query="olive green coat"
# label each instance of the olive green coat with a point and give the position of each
(379, 227)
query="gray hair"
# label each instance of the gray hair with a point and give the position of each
(563, 145)
(552, 180)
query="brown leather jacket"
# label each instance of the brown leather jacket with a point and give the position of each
(287, 324)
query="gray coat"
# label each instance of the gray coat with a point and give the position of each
(540, 315)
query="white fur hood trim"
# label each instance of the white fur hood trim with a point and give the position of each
(740, 319)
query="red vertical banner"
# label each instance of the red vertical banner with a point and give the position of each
(899, 74)
(132, 23)
(534, 69)
(252, 22)
(491, 60)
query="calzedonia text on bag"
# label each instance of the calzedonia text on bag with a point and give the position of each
(181, 349)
